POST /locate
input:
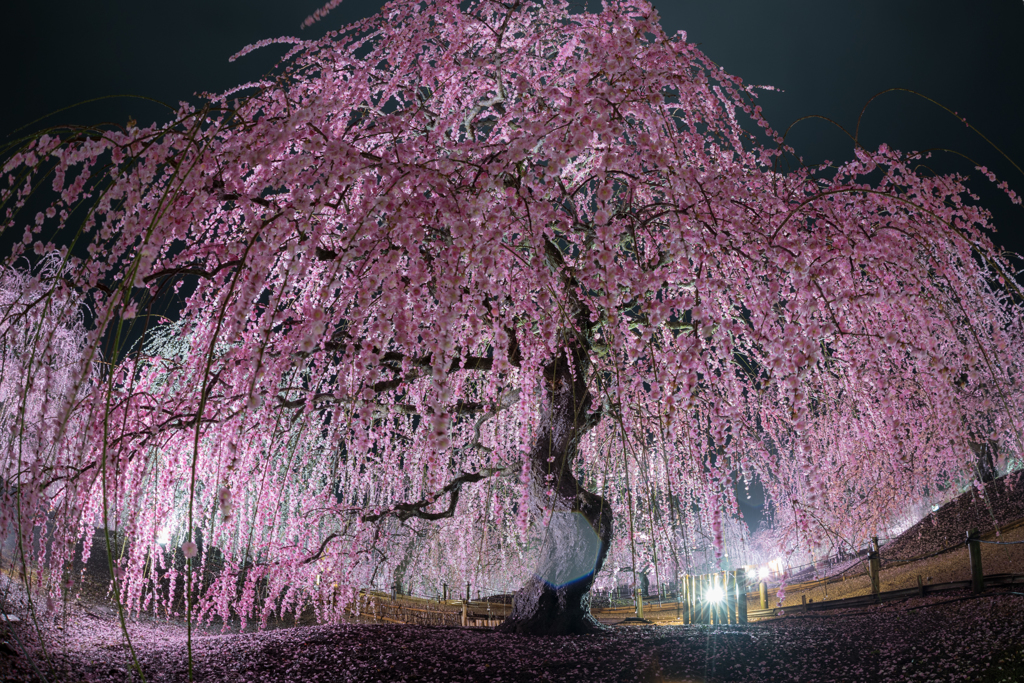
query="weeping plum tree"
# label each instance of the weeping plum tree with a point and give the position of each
(525, 276)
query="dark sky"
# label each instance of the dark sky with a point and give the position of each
(829, 56)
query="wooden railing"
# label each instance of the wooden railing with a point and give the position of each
(379, 607)
(921, 590)
(718, 598)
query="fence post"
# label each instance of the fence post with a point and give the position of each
(694, 600)
(920, 586)
(875, 567)
(689, 599)
(763, 590)
(723, 607)
(467, 591)
(394, 590)
(803, 601)
(731, 604)
(445, 591)
(698, 613)
(465, 612)
(679, 598)
(702, 599)
(974, 551)
(701, 604)
(741, 596)
(720, 606)
(709, 583)
(705, 606)
(698, 599)
(719, 583)
(716, 607)
(639, 603)
(684, 598)
(707, 597)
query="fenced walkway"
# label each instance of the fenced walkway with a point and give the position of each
(718, 598)
(692, 605)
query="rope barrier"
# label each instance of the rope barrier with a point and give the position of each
(1001, 542)
(900, 563)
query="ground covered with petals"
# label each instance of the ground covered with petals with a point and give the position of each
(953, 637)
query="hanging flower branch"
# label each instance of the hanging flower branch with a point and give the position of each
(454, 269)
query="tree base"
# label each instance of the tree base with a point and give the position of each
(540, 609)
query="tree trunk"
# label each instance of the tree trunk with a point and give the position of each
(556, 599)
(986, 453)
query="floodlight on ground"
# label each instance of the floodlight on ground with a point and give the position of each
(716, 594)
(763, 572)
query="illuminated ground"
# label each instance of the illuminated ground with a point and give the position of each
(966, 639)
(944, 637)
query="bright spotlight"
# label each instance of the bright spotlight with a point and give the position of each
(716, 594)
(163, 537)
(763, 572)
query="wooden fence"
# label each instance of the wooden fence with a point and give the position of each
(378, 607)
(920, 590)
(977, 583)
(717, 598)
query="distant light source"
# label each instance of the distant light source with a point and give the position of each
(163, 537)
(716, 594)
(763, 572)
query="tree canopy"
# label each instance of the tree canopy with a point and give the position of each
(451, 269)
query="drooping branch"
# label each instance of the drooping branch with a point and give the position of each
(506, 401)
(404, 511)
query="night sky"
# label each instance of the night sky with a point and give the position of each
(829, 57)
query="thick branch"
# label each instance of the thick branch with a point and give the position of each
(404, 511)
(299, 402)
(191, 269)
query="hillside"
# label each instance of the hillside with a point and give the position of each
(998, 504)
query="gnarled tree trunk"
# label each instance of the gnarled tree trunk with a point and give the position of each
(556, 599)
